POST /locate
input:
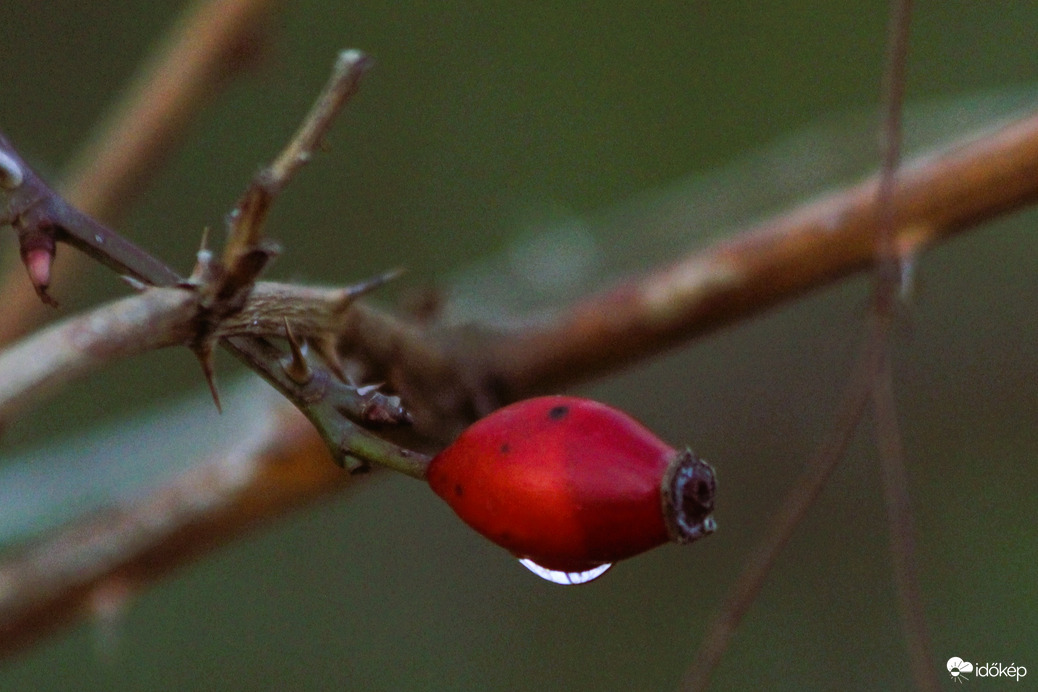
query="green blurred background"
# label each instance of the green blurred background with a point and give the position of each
(624, 132)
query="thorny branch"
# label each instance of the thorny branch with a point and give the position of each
(158, 318)
(213, 41)
(42, 218)
(246, 253)
(447, 375)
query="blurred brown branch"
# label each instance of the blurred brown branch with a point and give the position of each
(61, 576)
(446, 377)
(782, 258)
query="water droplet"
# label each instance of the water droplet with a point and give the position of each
(565, 578)
(99, 239)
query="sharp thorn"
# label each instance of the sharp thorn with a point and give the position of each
(204, 354)
(351, 293)
(204, 256)
(37, 247)
(369, 388)
(41, 293)
(297, 369)
(204, 268)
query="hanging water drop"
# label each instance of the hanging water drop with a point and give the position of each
(565, 578)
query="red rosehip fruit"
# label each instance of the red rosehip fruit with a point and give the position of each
(570, 486)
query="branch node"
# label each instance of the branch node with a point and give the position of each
(295, 366)
(204, 353)
(351, 293)
(382, 409)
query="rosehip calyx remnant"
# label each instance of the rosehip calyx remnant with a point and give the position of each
(570, 486)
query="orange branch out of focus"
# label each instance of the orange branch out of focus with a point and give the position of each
(122, 548)
(782, 258)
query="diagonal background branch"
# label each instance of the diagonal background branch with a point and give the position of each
(280, 465)
(780, 259)
(445, 377)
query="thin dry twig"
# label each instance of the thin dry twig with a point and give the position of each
(225, 285)
(888, 433)
(872, 379)
(246, 253)
(794, 507)
(247, 218)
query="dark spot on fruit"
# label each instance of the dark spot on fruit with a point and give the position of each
(558, 412)
(458, 490)
(505, 449)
